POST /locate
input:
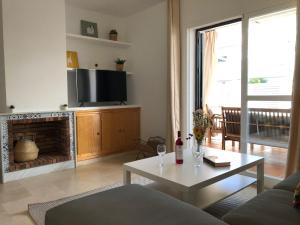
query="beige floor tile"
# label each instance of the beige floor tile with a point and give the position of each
(15, 196)
(21, 219)
(6, 219)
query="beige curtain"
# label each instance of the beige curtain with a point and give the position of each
(174, 80)
(209, 66)
(293, 163)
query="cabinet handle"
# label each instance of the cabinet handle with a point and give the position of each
(98, 133)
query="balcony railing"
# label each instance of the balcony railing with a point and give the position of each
(268, 127)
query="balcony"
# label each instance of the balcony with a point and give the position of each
(268, 135)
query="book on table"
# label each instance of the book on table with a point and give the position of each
(217, 161)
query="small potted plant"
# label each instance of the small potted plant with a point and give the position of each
(113, 35)
(120, 64)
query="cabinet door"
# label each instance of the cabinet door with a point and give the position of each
(120, 130)
(131, 128)
(88, 135)
(110, 132)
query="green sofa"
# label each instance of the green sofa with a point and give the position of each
(272, 207)
(138, 205)
(129, 205)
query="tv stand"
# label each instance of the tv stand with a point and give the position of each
(99, 128)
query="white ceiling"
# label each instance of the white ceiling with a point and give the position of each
(120, 8)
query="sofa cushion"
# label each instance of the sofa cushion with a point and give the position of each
(297, 197)
(273, 207)
(290, 183)
(128, 205)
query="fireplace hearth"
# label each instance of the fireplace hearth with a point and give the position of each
(52, 132)
(51, 135)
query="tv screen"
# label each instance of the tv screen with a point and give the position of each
(101, 86)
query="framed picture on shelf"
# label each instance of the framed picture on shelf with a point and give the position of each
(89, 29)
(72, 60)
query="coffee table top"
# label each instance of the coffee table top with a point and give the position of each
(187, 176)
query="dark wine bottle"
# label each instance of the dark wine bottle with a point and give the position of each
(179, 149)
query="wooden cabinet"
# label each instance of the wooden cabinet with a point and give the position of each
(119, 131)
(110, 133)
(88, 135)
(131, 128)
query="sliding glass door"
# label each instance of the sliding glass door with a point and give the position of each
(245, 71)
(268, 68)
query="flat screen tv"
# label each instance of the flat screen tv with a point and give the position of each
(101, 86)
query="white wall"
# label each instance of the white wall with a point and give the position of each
(34, 47)
(2, 72)
(147, 58)
(197, 13)
(147, 30)
(91, 53)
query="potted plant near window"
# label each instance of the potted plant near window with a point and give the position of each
(120, 64)
(113, 35)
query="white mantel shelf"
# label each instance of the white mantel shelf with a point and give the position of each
(99, 40)
(75, 109)
(104, 107)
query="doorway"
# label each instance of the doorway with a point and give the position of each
(248, 65)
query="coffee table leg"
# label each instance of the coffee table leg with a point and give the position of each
(260, 177)
(189, 197)
(126, 177)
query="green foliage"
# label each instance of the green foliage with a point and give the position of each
(120, 61)
(258, 81)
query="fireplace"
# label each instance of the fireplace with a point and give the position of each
(52, 132)
(51, 135)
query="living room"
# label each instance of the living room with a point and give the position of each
(94, 92)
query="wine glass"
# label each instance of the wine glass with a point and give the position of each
(161, 151)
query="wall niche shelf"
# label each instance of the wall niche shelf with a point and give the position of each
(100, 41)
(128, 73)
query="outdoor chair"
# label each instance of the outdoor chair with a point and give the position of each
(216, 127)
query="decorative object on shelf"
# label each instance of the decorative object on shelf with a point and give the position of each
(202, 122)
(120, 64)
(11, 108)
(72, 60)
(64, 107)
(26, 150)
(89, 29)
(113, 35)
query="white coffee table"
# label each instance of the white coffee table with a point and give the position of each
(201, 186)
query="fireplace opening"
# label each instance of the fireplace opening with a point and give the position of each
(51, 136)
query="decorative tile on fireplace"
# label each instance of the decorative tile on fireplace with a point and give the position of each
(52, 132)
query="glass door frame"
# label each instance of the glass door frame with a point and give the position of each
(245, 98)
